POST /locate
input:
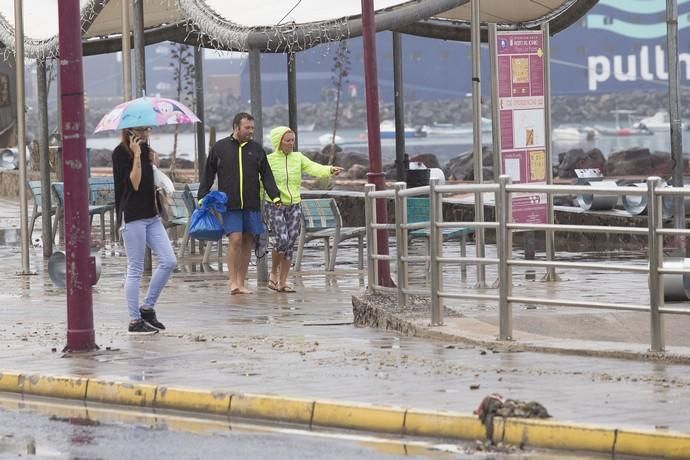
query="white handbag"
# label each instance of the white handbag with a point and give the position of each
(162, 181)
(163, 193)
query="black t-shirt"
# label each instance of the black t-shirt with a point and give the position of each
(135, 204)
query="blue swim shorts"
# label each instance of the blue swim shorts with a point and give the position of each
(243, 221)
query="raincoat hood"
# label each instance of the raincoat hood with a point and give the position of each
(276, 135)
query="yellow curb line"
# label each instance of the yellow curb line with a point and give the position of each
(364, 417)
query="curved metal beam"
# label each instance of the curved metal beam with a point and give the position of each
(40, 49)
(409, 18)
(460, 30)
(273, 40)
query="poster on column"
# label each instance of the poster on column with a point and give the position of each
(520, 65)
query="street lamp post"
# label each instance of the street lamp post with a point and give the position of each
(81, 268)
(21, 133)
(375, 175)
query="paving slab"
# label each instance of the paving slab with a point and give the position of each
(305, 345)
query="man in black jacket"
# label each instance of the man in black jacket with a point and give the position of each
(240, 163)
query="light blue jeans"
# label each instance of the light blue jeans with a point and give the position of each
(136, 235)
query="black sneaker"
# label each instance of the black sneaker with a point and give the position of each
(149, 315)
(141, 328)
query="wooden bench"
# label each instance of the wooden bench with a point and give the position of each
(321, 219)
(418, 211)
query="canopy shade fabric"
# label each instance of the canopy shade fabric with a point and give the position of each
(278, 26)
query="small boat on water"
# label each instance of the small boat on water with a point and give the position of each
(326, 139)
(624, 130)
(387, 128)
(660, 121)
(573, 133)
(449, 129)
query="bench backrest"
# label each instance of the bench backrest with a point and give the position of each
(35, 189)
(417, 209)
(178, 205)
(192, 187)
(59, 192)
(320, 214)
(101, 190)
(191, 190)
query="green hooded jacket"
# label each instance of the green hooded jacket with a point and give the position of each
(288, 168)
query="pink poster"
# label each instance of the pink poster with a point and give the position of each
(520, 67)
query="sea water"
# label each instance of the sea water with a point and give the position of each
(444, 147)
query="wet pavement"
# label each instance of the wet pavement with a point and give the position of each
(304, 345)
(41, 428)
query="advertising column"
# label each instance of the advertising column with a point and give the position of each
(521, 124)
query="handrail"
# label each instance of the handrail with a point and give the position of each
(653, 190)
(575, 189)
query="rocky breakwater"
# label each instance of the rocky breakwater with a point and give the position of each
(632, 162)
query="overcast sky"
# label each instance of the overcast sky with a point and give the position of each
(41, 20)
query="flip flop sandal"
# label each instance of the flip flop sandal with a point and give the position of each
(273, 286)
(286, 289)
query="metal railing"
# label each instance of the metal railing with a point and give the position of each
(504, 228)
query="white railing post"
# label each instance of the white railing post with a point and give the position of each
(656, 260)
(504, 248)
(369, 218)
(401, 241)
(435, 244)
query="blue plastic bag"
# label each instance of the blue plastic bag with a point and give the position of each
(205, 223)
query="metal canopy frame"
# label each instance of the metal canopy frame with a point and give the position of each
(414, 18)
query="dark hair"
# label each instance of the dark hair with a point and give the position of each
(239, 117)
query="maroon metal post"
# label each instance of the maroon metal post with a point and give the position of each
(80, 272)
(375, 175)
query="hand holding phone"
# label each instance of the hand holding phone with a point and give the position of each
(135, 144)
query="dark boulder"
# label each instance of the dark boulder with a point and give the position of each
(348, 159)
(429, 160)
(357, 171)
(577, 159)
(634, 161)
(100, 157)
(462, 166)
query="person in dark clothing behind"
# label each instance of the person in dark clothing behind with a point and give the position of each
(240, 163)
(141, 227)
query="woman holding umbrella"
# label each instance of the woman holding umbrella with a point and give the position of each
(133, 162)
(135, 201)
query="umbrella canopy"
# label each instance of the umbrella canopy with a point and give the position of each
(146, 111)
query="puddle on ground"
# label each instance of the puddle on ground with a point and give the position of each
(20, 447)
(386, 342)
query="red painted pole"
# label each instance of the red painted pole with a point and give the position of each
(80, 269)
(375, 175)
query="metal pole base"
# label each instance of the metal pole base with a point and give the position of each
(481, 285)
(80, 341)
(551, 275)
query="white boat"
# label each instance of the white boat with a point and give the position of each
(326, 139)
(572, 134)
(449, 129)
(660, 121)
(387, 128)
(624, 130)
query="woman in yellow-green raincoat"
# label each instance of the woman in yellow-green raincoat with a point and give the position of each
(284, 221)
